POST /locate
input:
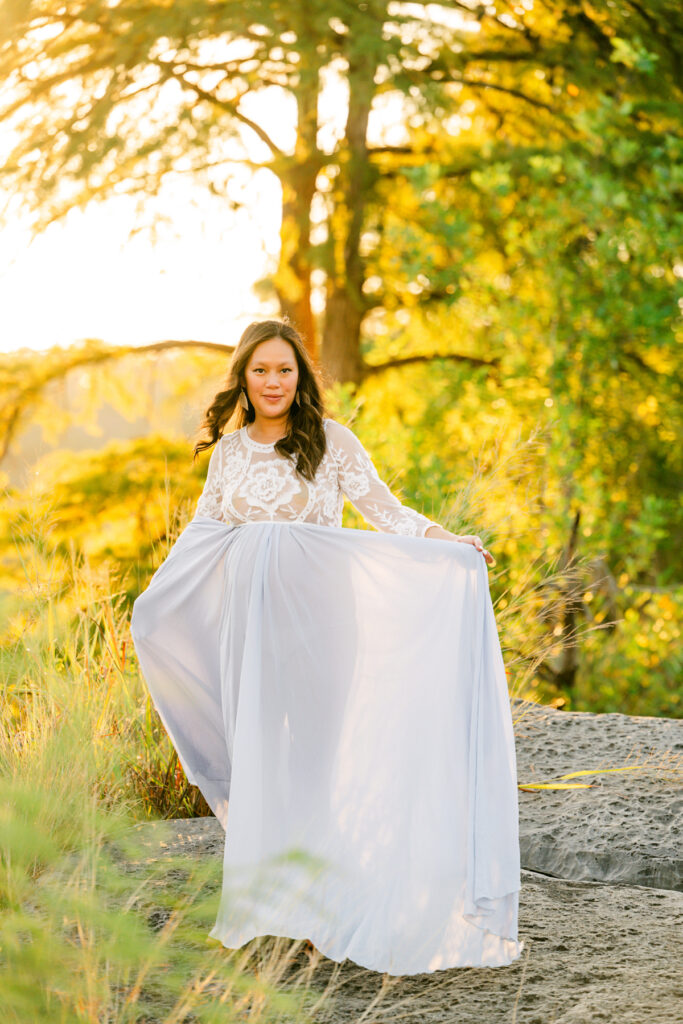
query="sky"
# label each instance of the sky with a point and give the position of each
(188, 274)
(86, 278)
(190, 277)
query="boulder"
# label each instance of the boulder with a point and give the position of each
(628, 826)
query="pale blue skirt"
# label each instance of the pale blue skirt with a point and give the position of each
(339, 697)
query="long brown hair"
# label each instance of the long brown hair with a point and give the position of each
(305, 439)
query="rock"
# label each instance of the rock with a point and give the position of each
(628, 826)
(594, 952)
(602, 937)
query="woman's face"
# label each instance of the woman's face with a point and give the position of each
(271, 377)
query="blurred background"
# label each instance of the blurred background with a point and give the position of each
(472, 211)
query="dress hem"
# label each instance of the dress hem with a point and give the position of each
(327, 951)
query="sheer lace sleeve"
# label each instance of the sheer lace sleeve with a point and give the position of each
(363, 487)
(209, 503)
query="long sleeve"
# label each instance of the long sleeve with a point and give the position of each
(209, 503)
(360, 482)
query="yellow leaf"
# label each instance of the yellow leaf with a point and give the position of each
(556, 785)
(574, 775)
(599, 771)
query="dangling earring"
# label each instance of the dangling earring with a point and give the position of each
(243, 400)
(296, 397)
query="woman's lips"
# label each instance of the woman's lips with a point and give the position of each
(273, 398)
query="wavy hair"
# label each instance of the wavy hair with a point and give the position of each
(304, 441)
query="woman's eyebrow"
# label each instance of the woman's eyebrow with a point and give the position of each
(261, 362)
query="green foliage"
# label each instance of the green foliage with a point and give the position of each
(475, 454)
(525, 231)
(638, 667)
(588, 617)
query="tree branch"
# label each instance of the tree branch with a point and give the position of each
(370, 369)
(227, 107)
(517, 93)
(24, 396)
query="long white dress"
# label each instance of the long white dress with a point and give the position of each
(339, 697)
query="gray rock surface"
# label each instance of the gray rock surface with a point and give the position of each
(603, 937)
(594, 952)
(628, 827)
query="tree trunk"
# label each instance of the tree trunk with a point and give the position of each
(292, 279)
(567, 669)
(346, 304)
(341, 339)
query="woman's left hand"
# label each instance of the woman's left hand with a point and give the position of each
(438, 533)
(475, 539)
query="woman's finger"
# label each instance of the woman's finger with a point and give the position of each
(476, 541)
(489, 557)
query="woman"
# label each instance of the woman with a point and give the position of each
(339, 696)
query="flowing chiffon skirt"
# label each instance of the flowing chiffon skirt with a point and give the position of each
(339, 697)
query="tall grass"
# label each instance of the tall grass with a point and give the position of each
(90, 930)
(83, 759)
(539, 603)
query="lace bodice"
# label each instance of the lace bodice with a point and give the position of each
(249, 481)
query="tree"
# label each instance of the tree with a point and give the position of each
(115, 98)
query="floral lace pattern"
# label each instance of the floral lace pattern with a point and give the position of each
(267, 489)
(248, 481)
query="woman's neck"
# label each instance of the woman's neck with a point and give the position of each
(266, 431)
